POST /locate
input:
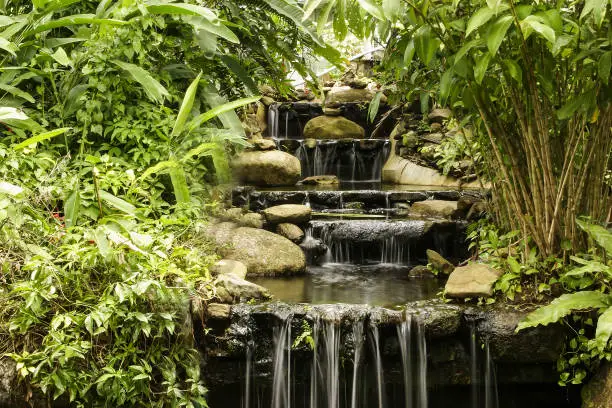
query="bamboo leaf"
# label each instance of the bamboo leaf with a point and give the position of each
(445, 86)
(563, 306)
(309, 7)
(41, 137)
(481, 17)
(374, 106)
(185, 9)
(324, 16)
(409, 53)
(481, 68)
(497, 33)
(17, 92)
(604, 329)
(72, 206)
(391, 8)
(339, 23)
(604, 67)
(539, 26)
(426, 44)
(74, 99)
(581, 102)
(117, 203)
(599, 234)
(152, 87)
(179, 183)
(467, 47)
(514, 70)
(217, 110)
(158, 168)
(186, 107)
(8, 46)
(61, 57)
(80, 19)
(217, 28)
(295, 14)
(372, 8)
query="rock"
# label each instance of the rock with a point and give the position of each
(288, 213)
(598, 392)
(231, 289)
(218, 311)
(343, 94)
(420, 271)
(268, 168)
(251, 219)
(358, 83)
(332, 127)
(435, 138)
(263, 252)
(229, 267)
(354, 205)
(8, 376)
(304, 94)
(473, 280)
(466, 202)
(439, 263)
(231, 214)
(320, 181)
(411, 140)
(435, 208)
(267, 90)
(290, 231)
(332, 112)
(439, 115)
(428, 152)
(264, 144)
(266, 100)
(478, 210)
(435, 127)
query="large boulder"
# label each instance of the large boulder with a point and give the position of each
(8, 374)
(229, 267)
(332, 127)
(263, 252)
(231, 289)
(267, 168)
(287, 213)
(345, 94)
(598, 392)
(435, 208)
(473, 280)
(439, 263)
(290, 231)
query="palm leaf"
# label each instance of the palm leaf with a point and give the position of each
(41, 137)
(152, 87)
(186, 107)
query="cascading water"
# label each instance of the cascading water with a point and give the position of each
(281, 384)
(327, 364)
(358, 340)
(380, 383)
(273, 116)
(248, 375)
(482, 373)
(412, 342)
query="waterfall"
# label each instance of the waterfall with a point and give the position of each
(358, 346)
(248, 374)
(307, 202)
(380, 384)
(482, 372)
(474, 377)
(395, 251)
(286, 125)
(415, 383)
(281, 384)
(273, 120)
(331, 368)
(491, 397)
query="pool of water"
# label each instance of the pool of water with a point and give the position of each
(378, 285)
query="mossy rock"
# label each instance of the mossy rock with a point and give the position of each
(333, 127)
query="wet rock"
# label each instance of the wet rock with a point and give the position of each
(439, 319)
(343, 94)
(332, 112)
(320, 181)
(354, 205)
(230, 289)
(420, 271)
(264, 253)
(229, 267)
(252, 220)
(267, 168)
(598, 392)
(435, 127)
(439, 115)
(473, 280)
(435, 138)
(435, 208)
(264, 144)
(369, 230)
(218, 311)
(466, 202)
(438, 262)
(266, 100)
(8, 376)
(332, 127)
(290, 231)
(359, 83)
(477, 211)
(411, 140)
(288, 213)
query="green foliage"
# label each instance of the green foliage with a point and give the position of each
(305, 337)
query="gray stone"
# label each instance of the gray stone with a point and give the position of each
(343, 94)
(439, 115)
(411, 140)
(218, 311)
(478, 210)
(473, 280)
(439, 263)
(266, 100)
(264, 144)
(359, 83)
(267, 168)
(332, 112)
(231, 289)
(435, 138)
(598, 392)
(332, 127)
(251, 219)
(435, 208)
(229, 267)
(420, 271)
(290, 231)
(288, 213)
(320, 180)
(8, 376)
(435, 127)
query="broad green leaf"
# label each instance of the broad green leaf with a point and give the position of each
(481, 17)
(339, 23)
(409, 53)
(117, 203)
(563, 306)
(391, 9)
(79, 19)
(237, 69)
(324, 16)
(10, 189)
(17, 92)
(599, 234)
(372, 8)
(196, 151)
(467, 47)
(445, 85)
(152, 87)
(497, 32)
(72, 206)
(8, 46)
(374, 105)
(61, 57)
(295, 14)
(590, 267)
(604, 67)
(207, 42)
(426, 44)
(597, 7)
(100, 235)
(179, 183)
(74, 100)
(216, 28)
(216, 111)
(539, 26)
(481, 67)
(186, 107)
(604, 329)
(309, 7)
(41, 137)
(581, 102)
(159, 167)
(514, 70)
(185, 9)
(16, 118)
